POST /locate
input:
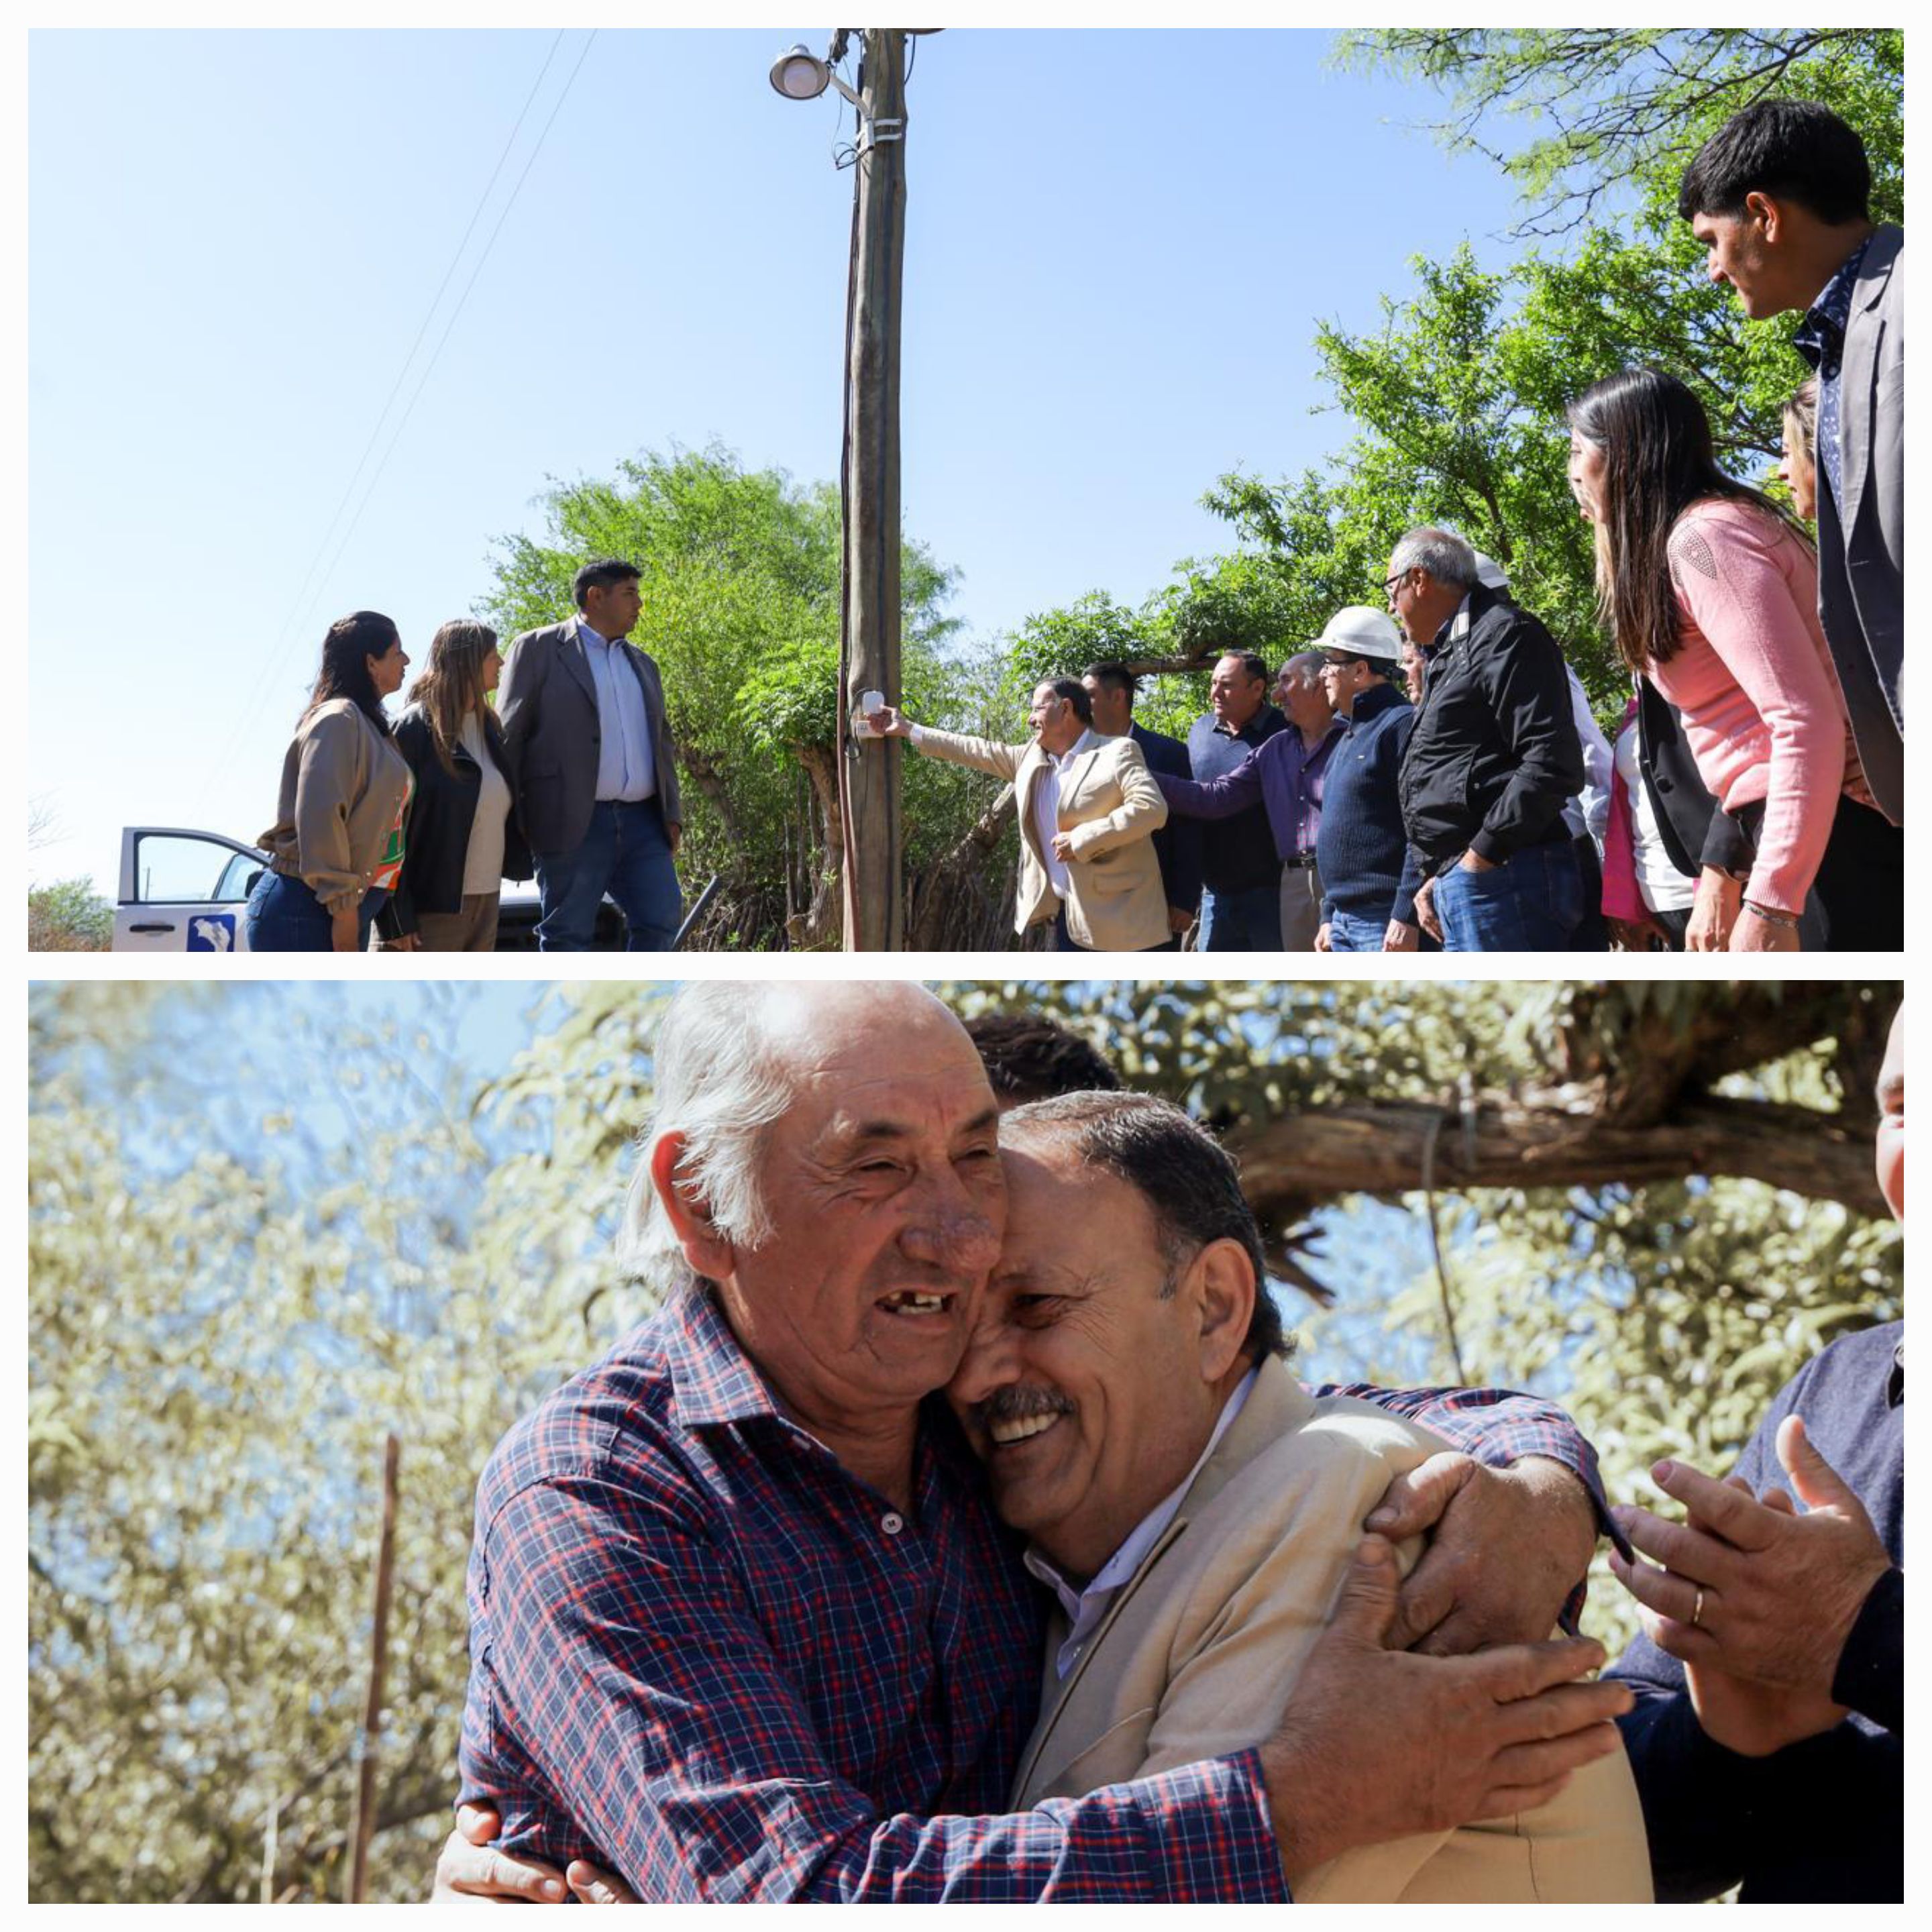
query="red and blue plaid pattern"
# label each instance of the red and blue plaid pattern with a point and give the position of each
(703, 1654)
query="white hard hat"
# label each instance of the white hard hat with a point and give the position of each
(1362, 632)
(1489, 573)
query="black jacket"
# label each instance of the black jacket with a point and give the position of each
(1697, 831)
(437, 841)
(1494, 751)
(1178, 843)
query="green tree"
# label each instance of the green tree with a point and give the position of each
(265, 1230)
(68, 915)
(740, 583)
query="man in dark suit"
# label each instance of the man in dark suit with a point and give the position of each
(1178, 843)
(594, 770)
(1779, 199)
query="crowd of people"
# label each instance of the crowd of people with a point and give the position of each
(1429, 775)
(1131, 1613)
(409, 830)
(1434, 777)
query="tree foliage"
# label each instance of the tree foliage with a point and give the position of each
(263, 1231)
(740, 586)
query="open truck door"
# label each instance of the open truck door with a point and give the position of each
(183, 891)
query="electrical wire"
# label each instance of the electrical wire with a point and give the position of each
(273, 658)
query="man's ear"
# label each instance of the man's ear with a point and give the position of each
(1225, 1293)
(1764, 210)
(709, 1254)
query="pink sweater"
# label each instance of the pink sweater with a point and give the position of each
(1753, 676)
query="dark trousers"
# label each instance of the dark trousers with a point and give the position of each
(624, 852)
(285, 915)
(1857, 901)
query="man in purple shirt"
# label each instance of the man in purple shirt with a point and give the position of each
(1284, 774)
(743, 1621)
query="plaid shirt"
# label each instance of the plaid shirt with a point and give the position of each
(704, 1654)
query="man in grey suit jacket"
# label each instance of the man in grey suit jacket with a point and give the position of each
(595, 772)
(1780, 199)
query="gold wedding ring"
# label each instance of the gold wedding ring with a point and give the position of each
(1697, 1609)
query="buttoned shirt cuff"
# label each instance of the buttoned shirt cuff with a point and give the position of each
(1870, 1676)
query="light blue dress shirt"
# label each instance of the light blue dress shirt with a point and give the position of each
(625, 770)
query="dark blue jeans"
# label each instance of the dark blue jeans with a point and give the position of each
(625, 853)
(1249, 921)
(1532, 902)
(285, 915)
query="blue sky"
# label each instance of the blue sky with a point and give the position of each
(1118, 247)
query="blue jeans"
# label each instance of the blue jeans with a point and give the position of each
(624, 852)
(285, 915)
(1532, 902)
(1249, 921)
(1350, 932)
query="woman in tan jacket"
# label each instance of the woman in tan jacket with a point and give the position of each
(336, 847)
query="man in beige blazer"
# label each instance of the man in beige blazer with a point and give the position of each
(1088, 808)
(1194, 1509)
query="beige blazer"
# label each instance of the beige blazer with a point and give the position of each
(1110, 807)
(1200, 1651)
(343, 783)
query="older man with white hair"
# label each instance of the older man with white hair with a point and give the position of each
(743, 1619)
(1492, 758)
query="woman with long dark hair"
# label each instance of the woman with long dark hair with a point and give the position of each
(1711, 591)
(463, 839)
(336, 847)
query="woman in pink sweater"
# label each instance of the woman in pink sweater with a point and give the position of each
(1711, 592)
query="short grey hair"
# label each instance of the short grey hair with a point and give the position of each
(1445, 555)
(1309, 662)
(721, 1082)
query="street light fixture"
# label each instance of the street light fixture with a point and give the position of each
(799, 74)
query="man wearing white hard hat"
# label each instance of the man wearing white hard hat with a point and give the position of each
(1362, 851)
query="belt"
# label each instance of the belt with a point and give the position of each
(1300, 862)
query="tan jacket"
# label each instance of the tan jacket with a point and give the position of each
(343, 783)
(1111, 808)
(1199, 1652)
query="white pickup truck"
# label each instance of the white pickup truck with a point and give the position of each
(183, 891)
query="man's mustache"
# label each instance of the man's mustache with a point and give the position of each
(1019, 1402)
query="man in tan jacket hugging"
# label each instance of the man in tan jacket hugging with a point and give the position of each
(1113, 1353)
(1088, 808)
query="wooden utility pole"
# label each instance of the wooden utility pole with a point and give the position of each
(869, 657)
(378, 1660)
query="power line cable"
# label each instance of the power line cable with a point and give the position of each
(272, 658)
(429, 367)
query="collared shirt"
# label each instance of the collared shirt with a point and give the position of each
(1085, 1608)
(704, 1653)
(1820, 339)
(1243, 854)
(1046, 808)
(1283, 776)
(626, 770)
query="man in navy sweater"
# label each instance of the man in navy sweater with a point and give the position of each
(1362, 846)
(1240, 870)
(1767, 1737)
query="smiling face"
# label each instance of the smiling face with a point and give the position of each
(882, 1185)
(1087, 1393)
(1891, 1152)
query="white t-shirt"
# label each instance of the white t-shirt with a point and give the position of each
(483, 863)
(1664, 888)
